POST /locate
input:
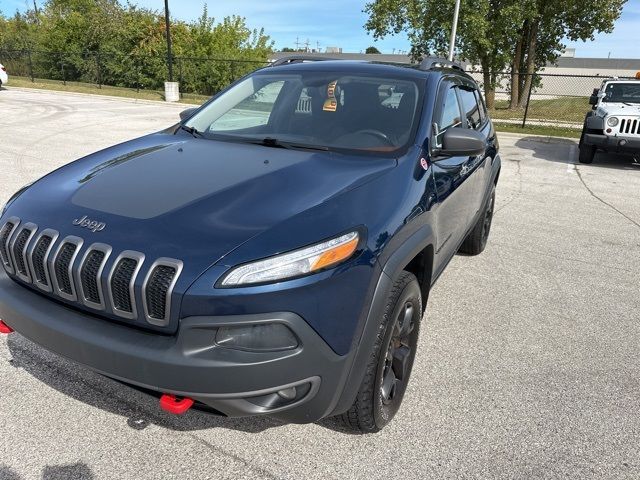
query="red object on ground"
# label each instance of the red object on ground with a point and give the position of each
(4, 328)
(175, 405)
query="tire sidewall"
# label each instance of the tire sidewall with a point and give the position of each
(383, 414)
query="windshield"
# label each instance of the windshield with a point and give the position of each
(317, 109)
(622, 92)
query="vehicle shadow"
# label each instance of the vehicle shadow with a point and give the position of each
(76, 471)
(546, 148)
(139, 409)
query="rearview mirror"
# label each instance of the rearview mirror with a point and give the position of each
(185, 114)
(463, 142)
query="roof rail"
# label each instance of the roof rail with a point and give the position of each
(434, 62)
(299, 59)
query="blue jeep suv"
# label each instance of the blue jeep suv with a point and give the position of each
(273, 252)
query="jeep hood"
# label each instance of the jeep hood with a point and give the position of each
(618, 109)
(188, 198)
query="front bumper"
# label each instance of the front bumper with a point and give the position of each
(190, 364)
(612, 144)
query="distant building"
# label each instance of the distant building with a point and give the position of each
(567, 64)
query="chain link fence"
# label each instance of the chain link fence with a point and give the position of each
(545, 99)
(550, 100)
(197, 75)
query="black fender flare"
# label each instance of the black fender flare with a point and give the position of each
(593, 122)
(363, 349)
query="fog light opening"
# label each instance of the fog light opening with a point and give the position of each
(5, 329)
(622, 143)
(287, 393)
(282, 398)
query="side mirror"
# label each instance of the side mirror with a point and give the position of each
(463, 142)
(593, 100)
(185, 114)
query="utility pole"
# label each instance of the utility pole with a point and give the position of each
(454, 28)
(169, 54)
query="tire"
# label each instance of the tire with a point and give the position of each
(387, 374)
(476, 241)
(586, 153)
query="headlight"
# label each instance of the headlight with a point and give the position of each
(294, 264)
(612, 121)
(13, 197)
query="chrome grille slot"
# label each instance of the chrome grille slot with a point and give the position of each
(90, 275)
(62, 265)
(157, 289)
(39, 257)
(19, 251)
(18, 248)
(5, 236)
(121, 284)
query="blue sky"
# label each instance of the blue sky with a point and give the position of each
(340, 23)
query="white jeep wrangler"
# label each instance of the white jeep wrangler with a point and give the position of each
(614, 123)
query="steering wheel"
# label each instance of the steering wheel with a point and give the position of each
(375, 133)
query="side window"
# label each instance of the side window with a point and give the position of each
(470, 107)
(253, 111)
(450, 117)
(483, 108)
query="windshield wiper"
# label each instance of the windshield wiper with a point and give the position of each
(193, 131)
(275, 143)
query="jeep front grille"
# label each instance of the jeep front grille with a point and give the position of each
(92, 279)
(630, 126)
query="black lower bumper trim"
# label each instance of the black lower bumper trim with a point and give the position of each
(188, 364)
(612, 144)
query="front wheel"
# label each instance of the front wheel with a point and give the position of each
(390, 365)
(586, 153)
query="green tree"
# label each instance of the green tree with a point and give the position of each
(370, 50)
(124, 45)
(547, 24)
(521, 36)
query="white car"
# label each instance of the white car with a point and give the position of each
(4, 78)
(614, 123)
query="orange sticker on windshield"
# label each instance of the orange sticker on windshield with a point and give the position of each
(331, 104)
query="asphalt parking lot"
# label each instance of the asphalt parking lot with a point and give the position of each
(528, 365)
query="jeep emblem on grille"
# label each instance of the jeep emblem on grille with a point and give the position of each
(92, 225)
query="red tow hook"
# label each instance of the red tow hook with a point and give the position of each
(172, 404)
(4, 328)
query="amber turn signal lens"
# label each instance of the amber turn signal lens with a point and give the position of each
(335, 255)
